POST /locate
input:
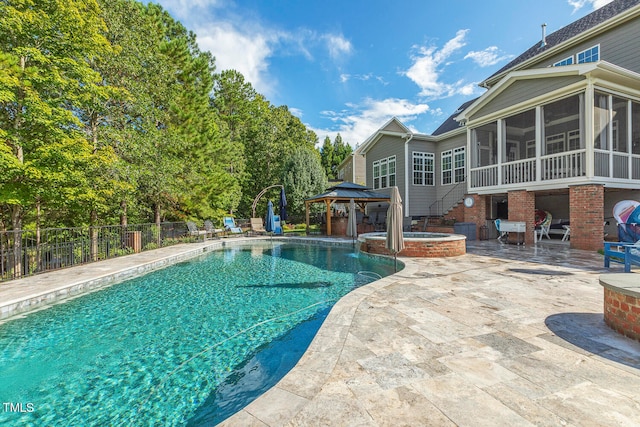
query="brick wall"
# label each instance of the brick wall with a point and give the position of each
(586, 214)
(477, 213)
(622, 313)
(418, 248)
(522, 207)
(456, 213)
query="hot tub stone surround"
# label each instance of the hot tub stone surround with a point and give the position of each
(420, 247)
(622, 303)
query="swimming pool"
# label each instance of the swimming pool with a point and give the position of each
(189, 344)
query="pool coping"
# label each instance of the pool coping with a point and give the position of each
(21, 296)
(27, 294)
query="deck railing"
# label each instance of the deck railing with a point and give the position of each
(559, 166)
(28, 252)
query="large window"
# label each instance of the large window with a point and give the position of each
(423, 168)
(590, 55)
(453, 163)
(520, 129)
(562, 125)
(384, 172)
(485, 142)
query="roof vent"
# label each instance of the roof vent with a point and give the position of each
(544, 35)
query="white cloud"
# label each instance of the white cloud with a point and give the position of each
(486, 58)
(595, 4)
(337, 45)
(238, 50)
(427, 67)
(359, 121)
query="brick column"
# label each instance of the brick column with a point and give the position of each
(586, 213)
(477, 213)
(522, 207)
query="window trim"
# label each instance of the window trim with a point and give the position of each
(566, 61)
(454, 171)
(597, 47)
(425, 172)
(387, 163)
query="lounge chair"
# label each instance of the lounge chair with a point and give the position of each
(230, 225)
(211, 230)
(195, 231)
(257, 227)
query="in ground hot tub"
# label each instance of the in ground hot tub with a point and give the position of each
(426, 245)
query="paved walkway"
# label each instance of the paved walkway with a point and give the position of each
(505, 335)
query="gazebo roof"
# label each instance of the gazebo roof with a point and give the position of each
(346, 191)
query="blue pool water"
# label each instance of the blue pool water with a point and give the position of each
(187, 345)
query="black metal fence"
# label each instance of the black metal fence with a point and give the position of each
(28, 252)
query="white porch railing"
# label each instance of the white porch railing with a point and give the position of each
(566, 165)
(563, 165)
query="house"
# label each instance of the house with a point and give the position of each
(558, 129)
(352, 169)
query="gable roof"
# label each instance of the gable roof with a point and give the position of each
(451, 124)
(567, 33)
(392, 127)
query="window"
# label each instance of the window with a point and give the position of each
(589, 55)
(458, 164)
(384, 172)
(555, 143)
(423, 168)
(453, 163)
(376, 174)
(446, 167)
(565, 61)
(573, 138)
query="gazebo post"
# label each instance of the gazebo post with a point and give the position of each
(328, 204)
(306, 208)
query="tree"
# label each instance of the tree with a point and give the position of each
(302, 178)
(46, 50)
(327, 157)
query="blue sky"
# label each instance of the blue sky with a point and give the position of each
(349, 66)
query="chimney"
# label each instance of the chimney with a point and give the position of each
(544, 35)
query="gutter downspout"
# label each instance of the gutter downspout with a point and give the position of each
(406, 173)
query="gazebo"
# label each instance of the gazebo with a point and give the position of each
(343, 193)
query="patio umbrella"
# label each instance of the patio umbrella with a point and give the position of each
(269, 221)
(395, 240)
(352, 226)
(283, 205)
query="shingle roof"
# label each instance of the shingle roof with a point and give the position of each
(450, 124)
(575, 28)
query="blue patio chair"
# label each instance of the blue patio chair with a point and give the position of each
(230, 225)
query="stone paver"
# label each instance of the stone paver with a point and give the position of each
(502, 336)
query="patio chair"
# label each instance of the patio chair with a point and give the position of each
(543, 229)
(211, 230)
(501, 234)
(623, 253)
(257, 227)
(230, 225)
(195, 231)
